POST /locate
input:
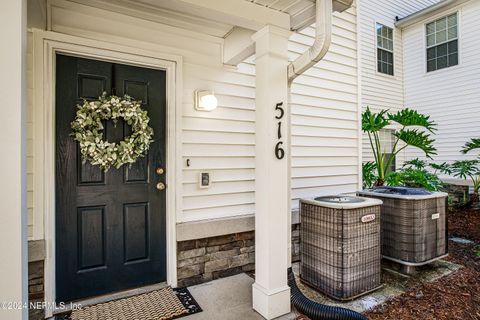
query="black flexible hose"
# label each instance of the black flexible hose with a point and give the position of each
(317, 311)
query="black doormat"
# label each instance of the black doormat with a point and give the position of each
(188, 300)
(183, 295)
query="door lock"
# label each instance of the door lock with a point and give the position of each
(160, 186)
(159, 171)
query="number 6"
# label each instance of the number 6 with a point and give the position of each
(279, 152)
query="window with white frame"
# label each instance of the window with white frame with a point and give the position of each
(387, 140)
(384, 49)
(442, 43)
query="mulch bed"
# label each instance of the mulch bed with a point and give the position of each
(453, 297)
(465, 223)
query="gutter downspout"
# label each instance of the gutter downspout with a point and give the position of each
(323, 38)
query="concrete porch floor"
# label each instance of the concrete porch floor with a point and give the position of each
(231, 298)
(227, 299)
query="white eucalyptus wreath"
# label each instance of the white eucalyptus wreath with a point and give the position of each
(88, 131)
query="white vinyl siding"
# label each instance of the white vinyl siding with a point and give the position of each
(324, 109)
(30, 136)
(450, 96)
(324, 114)
(380, 91)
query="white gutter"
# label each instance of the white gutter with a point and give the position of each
(323, 37)
(427, 12)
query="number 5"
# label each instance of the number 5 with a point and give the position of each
(282, 112)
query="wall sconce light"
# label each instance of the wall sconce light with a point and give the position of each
(205, 101)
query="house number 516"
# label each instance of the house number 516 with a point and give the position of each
(279, 152)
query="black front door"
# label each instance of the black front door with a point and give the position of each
(110, 227)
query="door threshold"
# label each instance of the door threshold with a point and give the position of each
(109, 297)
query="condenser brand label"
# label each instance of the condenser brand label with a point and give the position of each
(435, 216)
(368, 218)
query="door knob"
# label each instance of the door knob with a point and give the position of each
(160, 186)
(159, 170)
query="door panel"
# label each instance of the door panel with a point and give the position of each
(91, 238)
(88, 174)
(110, 227)
(136, 231)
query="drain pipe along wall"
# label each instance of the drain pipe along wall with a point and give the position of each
(323, 38)
(314, 54)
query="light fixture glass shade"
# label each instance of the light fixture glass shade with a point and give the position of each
(205, 101)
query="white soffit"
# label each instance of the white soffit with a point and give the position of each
(154, 10)
(234, 12)
(219, 17)
(302, 12)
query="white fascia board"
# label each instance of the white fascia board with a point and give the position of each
(428, 12)
(238, 46)
(240, 13)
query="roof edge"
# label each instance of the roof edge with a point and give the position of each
(428, 12)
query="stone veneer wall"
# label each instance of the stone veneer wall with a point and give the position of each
(202, 260)
(457, 194)
(36, 288)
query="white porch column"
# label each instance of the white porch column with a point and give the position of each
(271, 294)
(13, 229)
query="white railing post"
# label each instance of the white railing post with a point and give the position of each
(271, 294)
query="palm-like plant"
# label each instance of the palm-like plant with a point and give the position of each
(414, 173)
(410, 121)
(416, 164)
(442, 167)
(368, 174)
(468, 169)
(474, 143)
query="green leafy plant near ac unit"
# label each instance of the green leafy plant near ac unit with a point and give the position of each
(473, 144)
(414, 130)
(414, 173)
(368, 174)
(469, 169)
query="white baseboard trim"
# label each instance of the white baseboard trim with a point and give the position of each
(220, 227)
(271, 304)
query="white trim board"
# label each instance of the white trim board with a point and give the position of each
(219, 227)
(46, 45)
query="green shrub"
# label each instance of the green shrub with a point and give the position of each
(368, 173)
(414, 174)
(468, 169)
(372, 123)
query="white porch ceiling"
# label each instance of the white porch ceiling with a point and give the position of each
(219, 17)
(302, 12)
(230, 13)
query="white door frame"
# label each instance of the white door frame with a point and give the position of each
(46, 45)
